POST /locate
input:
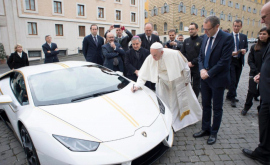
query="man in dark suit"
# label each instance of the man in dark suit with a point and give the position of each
(147, 40)
(238, 60)
(262, 152)
(113, 54)
(147, 37)
(92, 46)
(120, 38)
(135, 58)
(50, 50)
(173, 43)
(191, 50)
(214, 66)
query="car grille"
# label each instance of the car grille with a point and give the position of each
(151, 156)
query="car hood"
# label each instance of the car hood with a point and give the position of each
(109, 117)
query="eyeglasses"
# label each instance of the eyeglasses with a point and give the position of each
(208, 29)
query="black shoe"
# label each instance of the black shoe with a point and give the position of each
(236, 100)
(201, 134)
(233, 104)
(230, 99)
(256, 99)
(244, 112)
(252, 155)
(212, 139)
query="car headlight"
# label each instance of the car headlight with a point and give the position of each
(77, 145)
(161, 106)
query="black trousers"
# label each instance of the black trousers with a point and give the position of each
(210, 93)
(249, 101)
(235, 72)
(196, 79)
(263, 149)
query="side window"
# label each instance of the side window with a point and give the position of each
(17, 85)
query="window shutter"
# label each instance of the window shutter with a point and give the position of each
(162, 9)
(179, 8)
(146, 14)
(205, 13)
(184, 9)
(157, 11)
(168, 9)
(152, 13)
(196, 11)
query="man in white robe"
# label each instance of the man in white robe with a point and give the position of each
(169, 70)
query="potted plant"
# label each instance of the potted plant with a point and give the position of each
(3, 55)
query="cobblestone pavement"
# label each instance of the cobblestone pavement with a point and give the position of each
(236, 132)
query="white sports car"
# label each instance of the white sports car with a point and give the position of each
(82, 113)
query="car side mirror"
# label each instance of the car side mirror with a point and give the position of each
(5, 100)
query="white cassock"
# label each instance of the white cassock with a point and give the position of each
(170, 74)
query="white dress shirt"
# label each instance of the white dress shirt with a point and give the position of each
(149, 38)
(235, 47)
(20, 54)
(50, 44)
(95, 36)
(213, 40)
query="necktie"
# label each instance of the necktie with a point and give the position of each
(148, 39)
(95, 39)
(119, 40)
(208, 51)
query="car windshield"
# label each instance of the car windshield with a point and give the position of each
(74, 84)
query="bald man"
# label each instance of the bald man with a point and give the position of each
(113, 54)
(262, 152)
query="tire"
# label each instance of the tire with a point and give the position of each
(28, 147)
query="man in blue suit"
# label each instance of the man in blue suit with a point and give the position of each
(92, 46)
(50, 50)
(214, 65)
(113, 54)
(238, 60)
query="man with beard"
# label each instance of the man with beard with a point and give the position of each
(191, 50)
(173, 43)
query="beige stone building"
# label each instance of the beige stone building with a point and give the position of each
(67, 21)
(178, 14)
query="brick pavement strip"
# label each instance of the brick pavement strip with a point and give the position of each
(236, 132)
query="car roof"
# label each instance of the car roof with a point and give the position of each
(36, 69)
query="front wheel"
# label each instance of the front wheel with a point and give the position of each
(28, 146)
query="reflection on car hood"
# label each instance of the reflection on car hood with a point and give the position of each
(109, 117)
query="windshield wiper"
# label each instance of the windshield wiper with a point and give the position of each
(92, 95)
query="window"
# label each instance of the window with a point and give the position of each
(80, 10)
(255, 11)
(229, 17)
(81, 31)
(223, 2)
(212, 12)
(117, 0)
(181, 26)
(57, 7)
(133, 17)
(165, 26)
(145, 14)
(203, 12)
(155, 27)
(243, 20)
(132, 2)
(259, 23)
(17, 85)
(248, 21)
(34, 53)
(202, 31)
(154, 12)
(213, 1)
(165, 8)
(62, 52)
(100, 12)
(249, 9)
(230, 4)
(181, 8)
(222, 16)
(237, 5)
(59, 29)
(252, 34)
(244, 7)
(193, 10)
(247, 33)
(133, 32)
(32, 28)
(118, 15)
(253, 22)
(30, 5)
(101, 31)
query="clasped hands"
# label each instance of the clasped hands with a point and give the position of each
(54, 50)
(204, 74)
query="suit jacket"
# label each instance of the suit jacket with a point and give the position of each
(177, 47)
(109, 55)
(50, 57)
(124, 40)
(219, 60)
(132, 62)
(91, 51)
(145, 44)
(243, 44)
(15, 61)
(264, 83)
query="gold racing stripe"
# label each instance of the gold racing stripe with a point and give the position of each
(61, 64)
(121, 110)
